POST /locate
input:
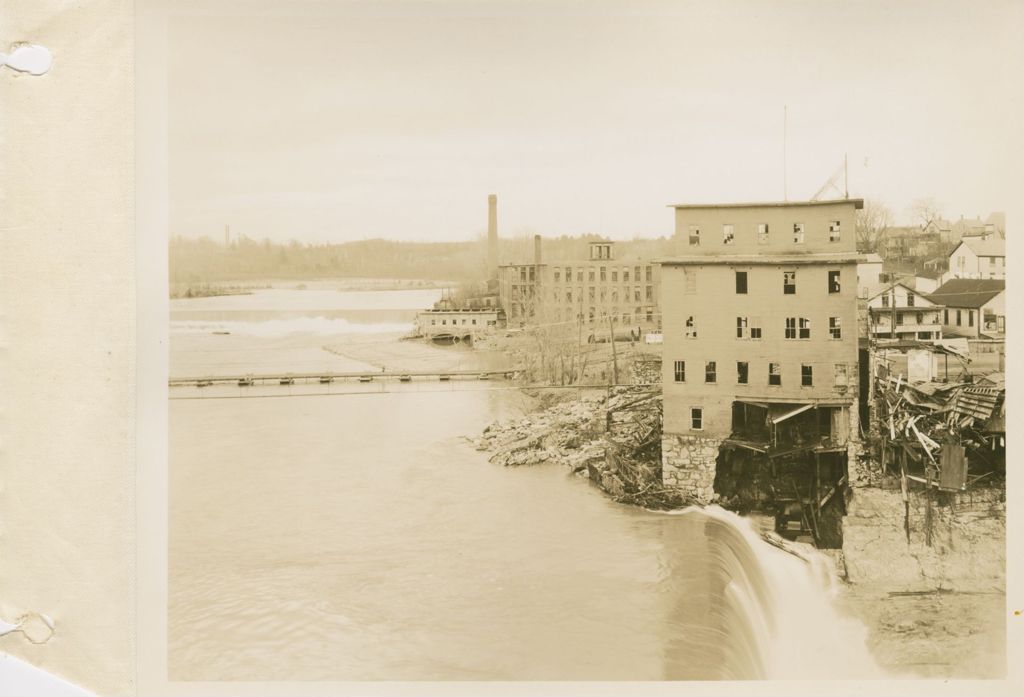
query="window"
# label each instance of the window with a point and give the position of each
(615, 275)
(603, 274)
(590, 293)
(741, 282)
(625, 275)
(919, 316)
(885, 300)
(568, 296)
(728, 236)
(558, 275)
(649, 295)
(774, 373)
(691, 282)
(444, 321)
(958, 318)
(742, 328)
(798, 233)
(615, 295)
(433, 321)
(970, 318)
(762, 233)
(579, 275)
(568, 274)
(806, 375)
(833, 231)
(833, 281)
(790, 328)
(636, 274)
(691, 328)
(945, 316)
(841, 378)
(805, 328)
(709, 372)
(680, 371)
(755, 327)
(591, 274)
(789, 282)
(694, 235)
(636, 294)
(474, 321)
(835, 327)
(910, 299)
(696, 418)
(742, 372)
(604, 294)
(648, 274)
(532, 276)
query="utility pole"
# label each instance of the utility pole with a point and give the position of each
(615, 358)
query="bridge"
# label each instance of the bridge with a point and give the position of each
(250, 379)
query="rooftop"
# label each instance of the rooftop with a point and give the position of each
(857, 202)
(763, 259)
(967, 292)
(991, 246)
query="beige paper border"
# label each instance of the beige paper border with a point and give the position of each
(152, 210)
(67, 355)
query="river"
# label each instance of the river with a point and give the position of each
(358, 536)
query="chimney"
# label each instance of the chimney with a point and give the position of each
(492, 237)
(227, 235)
(536, 253)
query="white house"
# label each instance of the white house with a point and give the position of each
(974, 308)
(981, 256)
(916, 316)
(868, 272)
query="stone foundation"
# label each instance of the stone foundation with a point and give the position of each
(688, 464)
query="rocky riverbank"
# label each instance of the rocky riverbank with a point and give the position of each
(568, 429)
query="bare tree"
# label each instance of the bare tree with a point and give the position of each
(925, 212)
(872, 222)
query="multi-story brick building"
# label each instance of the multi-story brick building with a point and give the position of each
(595, 289)
(760, 337)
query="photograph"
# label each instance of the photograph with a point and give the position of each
(508, 346)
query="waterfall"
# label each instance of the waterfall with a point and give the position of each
(774, 613)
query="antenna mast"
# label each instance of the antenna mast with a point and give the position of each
(785, 173)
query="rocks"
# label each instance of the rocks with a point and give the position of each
(566, 432)
(571, 433)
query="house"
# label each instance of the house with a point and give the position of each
(760, 348)
(979, 256)
(916, 316)
(973, 308)
(594, 291)
(868, 272)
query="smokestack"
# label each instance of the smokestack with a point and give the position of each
(492, 237)
(536, 252)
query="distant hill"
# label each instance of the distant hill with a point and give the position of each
(203, 260)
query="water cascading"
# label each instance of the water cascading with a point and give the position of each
(752, 611)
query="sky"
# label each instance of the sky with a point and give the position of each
(336, 121)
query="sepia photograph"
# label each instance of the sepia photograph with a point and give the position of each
(548, 342)
(519, 344)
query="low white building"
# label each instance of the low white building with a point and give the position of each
(973, 308)
(982, 256)
(461, 324)
(916, 316)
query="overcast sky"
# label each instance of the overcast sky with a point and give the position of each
(341, 121)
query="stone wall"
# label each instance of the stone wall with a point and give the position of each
(968, 539)
(688, 464)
